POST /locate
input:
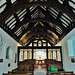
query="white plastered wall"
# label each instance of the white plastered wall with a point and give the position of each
(67, 64)
(7, 41)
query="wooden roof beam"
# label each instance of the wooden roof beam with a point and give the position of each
(25, 4)
(46, 27)
(33, 37)
(48, 18)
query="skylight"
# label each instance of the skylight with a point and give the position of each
(21, 14)
(43, 7)
(9, 19)
(2, 2)
(63, 22)
(61, 1)
(36, 0)
(18, 32)
(13, 27)
(53, 12)
(2, 8)
(10, 22)
(35, 14)
(2, 5)
(65, 15)
(66, 20)
(30, 0)
(13, 1)
(72, 4)
(58, 30)
(41, 15)
(32, 8)
(74, 11)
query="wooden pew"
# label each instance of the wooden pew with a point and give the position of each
(54, 63)
(24, 68)
(25, 65)
(62, 72)
(20, 72)
(17, 74)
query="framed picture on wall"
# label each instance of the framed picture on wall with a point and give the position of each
(73, 60)
(1, 60)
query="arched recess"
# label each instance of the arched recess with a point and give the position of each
(9, 52)
(1, 43)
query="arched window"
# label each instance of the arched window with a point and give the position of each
(9, 53)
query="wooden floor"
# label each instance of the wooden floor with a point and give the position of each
(40, 69)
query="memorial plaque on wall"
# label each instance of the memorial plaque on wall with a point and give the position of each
(73, 60)
(1, 60)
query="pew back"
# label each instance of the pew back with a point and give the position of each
(62, 72)
(17, 74)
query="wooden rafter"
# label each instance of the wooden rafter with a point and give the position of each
(48, 18)
(57, 29)
(46, 27)
(25, 4)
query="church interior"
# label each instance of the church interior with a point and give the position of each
(37, 37)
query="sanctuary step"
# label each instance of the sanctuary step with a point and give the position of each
(40, 73)
(40, 68)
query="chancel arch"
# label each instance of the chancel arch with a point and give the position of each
(40, 52)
